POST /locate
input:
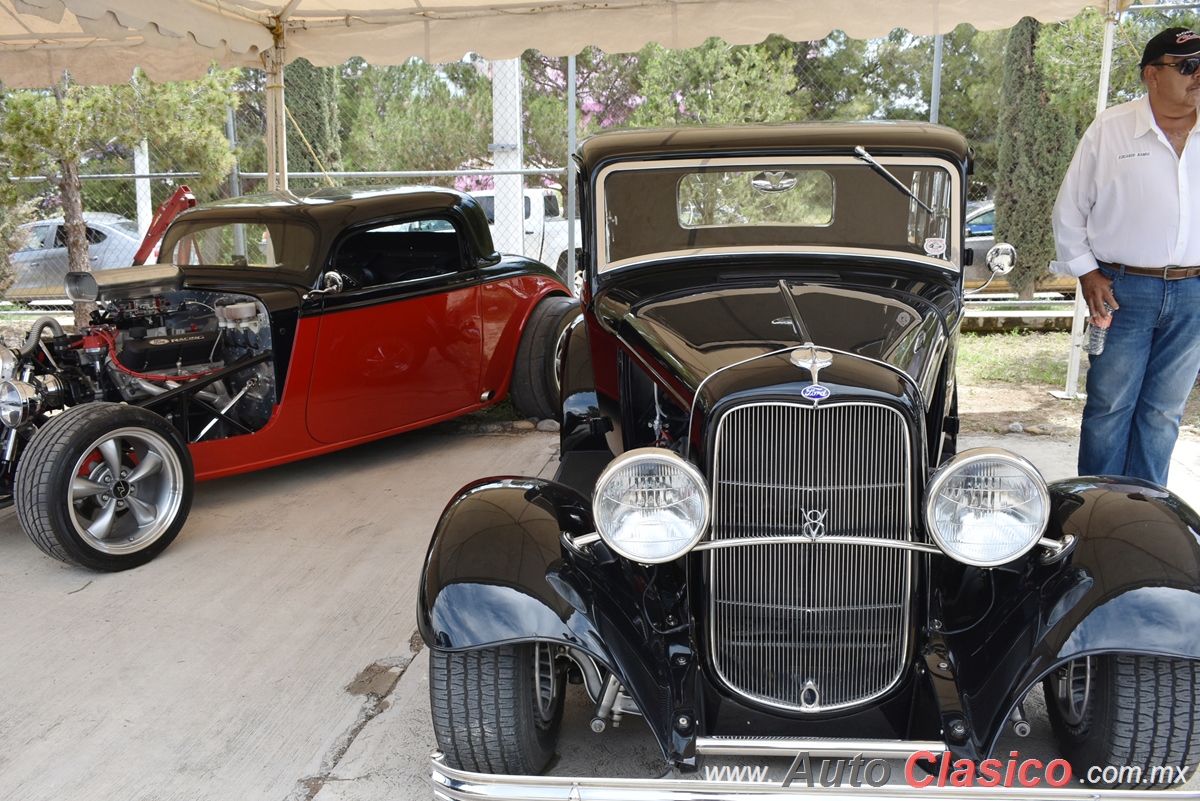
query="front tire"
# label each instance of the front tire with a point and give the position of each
(1130, 711)
(104, 486)
(497, 710)
(535, 386)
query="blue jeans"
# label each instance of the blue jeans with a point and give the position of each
(1137, 388)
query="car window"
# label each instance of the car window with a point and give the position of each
(33, 237)
(550, 205)
(399, 252)
(488, 202)
(755, 197)
(982, 224)
(256, 245)
(93, 236)
(126, 226)
(670, 208)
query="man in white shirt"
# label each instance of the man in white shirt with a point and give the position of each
(1127, 224)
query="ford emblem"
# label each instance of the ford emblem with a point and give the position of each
(816, 392)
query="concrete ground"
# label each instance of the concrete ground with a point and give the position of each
(240, 662)
(269, 652)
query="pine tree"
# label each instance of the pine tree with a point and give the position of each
(54, 132)
(314, 136)
(1036, 143)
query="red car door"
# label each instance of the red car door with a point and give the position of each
(400, 345)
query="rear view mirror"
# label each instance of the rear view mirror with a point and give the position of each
(1002, 258)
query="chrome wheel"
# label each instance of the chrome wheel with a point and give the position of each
(1073, 690)
(126, 490)
(558, 359)
(545, 683)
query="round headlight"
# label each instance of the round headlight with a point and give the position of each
(18, 402)
(651, 505)
(986, 507)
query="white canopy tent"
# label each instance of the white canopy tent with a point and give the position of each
(100, 41)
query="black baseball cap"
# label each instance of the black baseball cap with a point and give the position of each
(1171, 42)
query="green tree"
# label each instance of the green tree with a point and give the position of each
(972, 70)
(13, 214)
(417, 116)
(53, 132)
(892, 78)
(1036, 144)
(1070, 54)
(606, 91)
(314, 131)
(830, 79)
(718, 83)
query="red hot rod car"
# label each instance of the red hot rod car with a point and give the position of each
(273, 328)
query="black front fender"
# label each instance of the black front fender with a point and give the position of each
(1131, 583)
(498, 571)
(490, 567)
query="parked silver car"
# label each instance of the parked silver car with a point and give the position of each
(40, 264)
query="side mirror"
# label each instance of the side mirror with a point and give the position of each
(1001, 259)
(331, 284)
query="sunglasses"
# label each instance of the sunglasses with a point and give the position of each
(1186, 67)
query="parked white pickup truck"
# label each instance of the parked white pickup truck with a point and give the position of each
(545, 227)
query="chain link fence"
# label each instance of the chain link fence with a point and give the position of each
(500, 130)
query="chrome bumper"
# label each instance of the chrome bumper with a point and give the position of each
(461, 785)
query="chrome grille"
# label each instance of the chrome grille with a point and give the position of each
(818, 622)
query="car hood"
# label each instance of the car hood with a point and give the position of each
(873, 335)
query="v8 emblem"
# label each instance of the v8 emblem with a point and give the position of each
(814, 523)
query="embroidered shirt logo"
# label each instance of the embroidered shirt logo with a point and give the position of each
(1138, 155)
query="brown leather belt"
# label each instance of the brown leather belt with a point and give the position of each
(1165, 273)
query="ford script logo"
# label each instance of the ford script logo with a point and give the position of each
(816, 392)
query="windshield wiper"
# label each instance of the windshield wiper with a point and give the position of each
(879, 168)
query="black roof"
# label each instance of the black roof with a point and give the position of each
(333, 209)
(818, 137)
(338, 206)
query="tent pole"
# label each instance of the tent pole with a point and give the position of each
(572, 263)
(508, 154)
(935, 94)
(277, 179)
(1071, 392)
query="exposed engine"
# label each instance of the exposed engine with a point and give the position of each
(150, 346)
(146, 347)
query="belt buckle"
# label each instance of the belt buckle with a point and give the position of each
(1167, 271)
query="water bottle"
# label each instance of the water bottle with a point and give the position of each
(1093, 343)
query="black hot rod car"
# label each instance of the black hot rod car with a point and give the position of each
(762, 536)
